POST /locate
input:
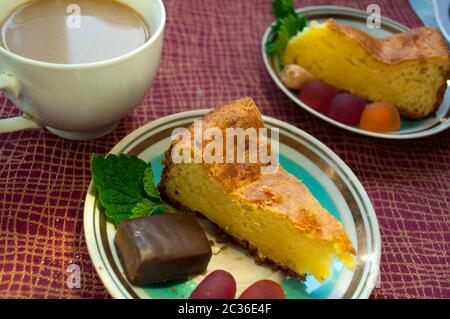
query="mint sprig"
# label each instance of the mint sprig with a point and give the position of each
(126, 187)
(288, 24)
(283, 8)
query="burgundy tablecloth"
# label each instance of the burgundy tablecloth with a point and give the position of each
(212, 55)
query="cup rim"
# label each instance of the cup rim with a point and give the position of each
(122, 57)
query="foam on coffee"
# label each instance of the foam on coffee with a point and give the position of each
(52, 31)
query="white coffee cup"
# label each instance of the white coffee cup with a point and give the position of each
(81, 101)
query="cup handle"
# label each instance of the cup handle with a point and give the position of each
(9, 82)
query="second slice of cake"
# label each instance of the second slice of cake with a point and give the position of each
(409, 69)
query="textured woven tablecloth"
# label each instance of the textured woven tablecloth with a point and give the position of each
(212, 55)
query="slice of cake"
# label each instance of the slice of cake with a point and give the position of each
(408, 69)
(273, 213)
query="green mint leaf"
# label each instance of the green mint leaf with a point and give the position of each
(288, 25)
(302, 23)
(287, 29)
(149, 184)
(277, 45)
(116, 213)
(143, 208)
(282, 8)
(121, 173)
(109, 196)
(146, 207)
(276, 27)
(126, 187)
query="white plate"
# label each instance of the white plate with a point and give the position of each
(356, 18)
(327, 177)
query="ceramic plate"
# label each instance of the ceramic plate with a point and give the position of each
(328, 178)
(357, 19)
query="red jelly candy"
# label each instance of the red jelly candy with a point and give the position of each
(318, 95)
(263, 289)
(219, 284)
(347, 109)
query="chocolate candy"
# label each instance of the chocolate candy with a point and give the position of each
(162, 248)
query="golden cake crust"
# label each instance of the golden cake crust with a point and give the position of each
(415, 44)
(280, 192)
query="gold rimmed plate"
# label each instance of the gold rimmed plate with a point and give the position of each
(322, 171)
(358, 19)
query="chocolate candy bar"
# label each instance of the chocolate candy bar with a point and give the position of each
(157, 249)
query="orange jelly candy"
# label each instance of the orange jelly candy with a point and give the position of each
(380, 117)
